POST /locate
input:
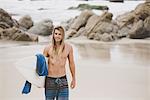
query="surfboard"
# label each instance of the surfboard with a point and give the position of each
(27, 67)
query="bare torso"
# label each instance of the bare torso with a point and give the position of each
(56, 64)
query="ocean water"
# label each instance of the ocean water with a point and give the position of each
(56, 10)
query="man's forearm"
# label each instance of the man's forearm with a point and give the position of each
(72, 69)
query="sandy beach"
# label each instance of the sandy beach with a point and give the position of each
(105, 71)
(118, 70)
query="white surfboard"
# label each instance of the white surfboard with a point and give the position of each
(27, 67)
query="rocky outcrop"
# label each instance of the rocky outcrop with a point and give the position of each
(141, 29)
(25, 22)
(131, 24)
(79, 22)
(6, 20)
(17, 35)
(134, 24)
(44, 28)
(11, 29)
(95, 27)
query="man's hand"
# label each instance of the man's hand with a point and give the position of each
(73, 84)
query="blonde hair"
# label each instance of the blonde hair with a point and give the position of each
(61, 29)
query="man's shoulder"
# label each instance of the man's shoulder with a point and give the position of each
(68, 45)
(47, 47)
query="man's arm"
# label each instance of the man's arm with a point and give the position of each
(45, 52)
(72, 68)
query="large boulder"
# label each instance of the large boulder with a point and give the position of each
(103, 27)
(102, 24)
(96, 23)
(135, 24)
(125, 19)
(142, 11)
(141, 29)
(138, 31)
(106, 37)
(6, 20)
(17, 35)
(44, 27)
(25, 22)
(91, 23)
(70, 33)
(81, 20)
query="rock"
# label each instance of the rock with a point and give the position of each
(115, 28)
(70, 33)
(125, 19)
(44, 27)
(147, 24)
(91, 36)
(80, 32)
(89, 7)
(5, 18)
(24, 37)
(25, 22)
(97, 23)
(98, 36)
(17, 35)
(103, 27)
(107, 37)
(123, 32)
(15, 23)
(92, 21)
(81, 20)
(142, 11)
(4, 25)
(138, 31)
(131, 23)
(106, 16)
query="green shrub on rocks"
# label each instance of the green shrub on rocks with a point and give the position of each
(87, 6)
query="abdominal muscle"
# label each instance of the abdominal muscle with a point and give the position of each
(56, 66)
(56, 71)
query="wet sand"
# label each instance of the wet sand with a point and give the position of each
(105, 71)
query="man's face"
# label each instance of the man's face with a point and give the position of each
(58, 36)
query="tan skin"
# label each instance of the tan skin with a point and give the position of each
(57, 69)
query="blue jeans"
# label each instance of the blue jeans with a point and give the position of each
(56, 88)
(60, 94)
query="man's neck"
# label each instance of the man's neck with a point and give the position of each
(57, 44)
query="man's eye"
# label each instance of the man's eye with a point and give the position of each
(59, 34)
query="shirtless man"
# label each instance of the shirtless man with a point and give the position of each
(56, 85)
